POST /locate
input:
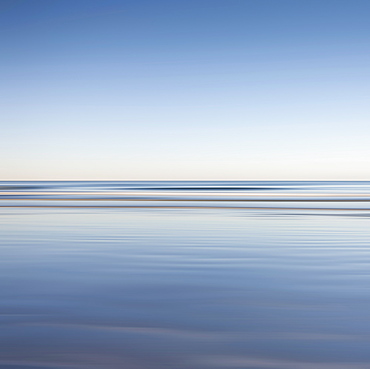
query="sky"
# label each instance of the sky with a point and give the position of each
(184, 89)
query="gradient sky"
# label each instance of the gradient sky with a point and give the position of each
(185, 89)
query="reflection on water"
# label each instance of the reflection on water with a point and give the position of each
(180, 194)
(186, 288)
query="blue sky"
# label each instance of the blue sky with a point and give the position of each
(183, 89)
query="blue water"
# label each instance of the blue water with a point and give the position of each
(186, 275)
(245, 194)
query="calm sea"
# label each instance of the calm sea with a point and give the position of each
(185, 275)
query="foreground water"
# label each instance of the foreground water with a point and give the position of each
(186, 275)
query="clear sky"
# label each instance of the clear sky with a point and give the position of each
(185, 89)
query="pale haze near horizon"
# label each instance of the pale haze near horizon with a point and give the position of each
(221, 89)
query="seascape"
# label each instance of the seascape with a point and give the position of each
(184, 184)
(184, 274)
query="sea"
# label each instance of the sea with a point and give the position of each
(185, 274)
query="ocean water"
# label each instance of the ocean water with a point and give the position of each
(185, 275)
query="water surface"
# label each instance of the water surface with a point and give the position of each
(171, 275)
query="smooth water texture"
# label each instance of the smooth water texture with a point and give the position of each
(226, 194)
(140, 275)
